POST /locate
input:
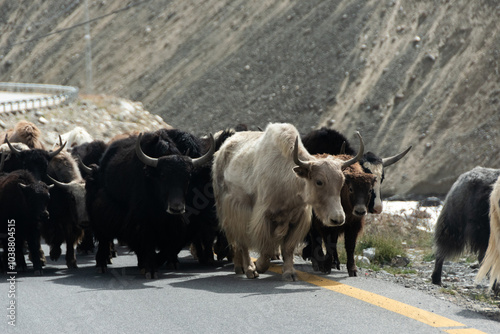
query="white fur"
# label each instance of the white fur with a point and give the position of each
(75, 137)
(491, 262)
(262, 204)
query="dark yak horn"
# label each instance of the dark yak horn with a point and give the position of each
(58, 183)
(148, 161)
(12, 148)
(358, 156)
(56, 152)
(83, 166)
(295, 155)
(207, 156)
(392, 160)
(2, 161)
(342, 148)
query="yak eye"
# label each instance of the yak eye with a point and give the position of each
(319, 183)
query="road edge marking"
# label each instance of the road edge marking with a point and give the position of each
(412, 312)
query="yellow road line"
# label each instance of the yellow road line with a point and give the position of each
(426, 317)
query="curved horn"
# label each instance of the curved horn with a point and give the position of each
(207, 156)
(59, 184)
(12, 148)
(148, 161)
(56, 152)
(392, 160)
(2, 161)
(295, 155)
(342, 148)
(358, 156)
(83, 166)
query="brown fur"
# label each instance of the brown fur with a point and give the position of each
(25, 132)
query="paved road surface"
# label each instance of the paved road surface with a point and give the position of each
(197, 299)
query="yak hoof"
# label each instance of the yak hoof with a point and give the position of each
(72, 265)
(290, 276)
(251, 273)
(239, 270)
(55, 253)
(101, 270)
(38, 272)
(352, 273)
(148, 275)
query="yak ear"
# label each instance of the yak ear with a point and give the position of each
(302, 171)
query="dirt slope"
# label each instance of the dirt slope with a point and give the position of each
(422, 73)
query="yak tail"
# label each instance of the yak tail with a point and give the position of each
(491, 263)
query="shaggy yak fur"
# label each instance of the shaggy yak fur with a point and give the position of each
(464, 221)
(266, 185)
(491, 262)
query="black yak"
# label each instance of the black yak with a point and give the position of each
(23, 206)
(138, 195)
(464, 220)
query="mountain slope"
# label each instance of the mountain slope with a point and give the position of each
(421, 73)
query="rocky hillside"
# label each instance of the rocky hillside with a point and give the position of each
(402, 72)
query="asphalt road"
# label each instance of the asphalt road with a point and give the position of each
(196, 299)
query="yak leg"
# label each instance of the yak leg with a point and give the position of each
(350, 244)
(243, 263)
(70, 253)
(34, 248)
(263, 262)
(248, 264)
(438, 269)
(331, 248)
(289, 273)
(318, 256)
(294, 236)
(238, 260)
(103, 254)
(19, 253)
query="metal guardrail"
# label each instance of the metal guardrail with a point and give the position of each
(50, 95)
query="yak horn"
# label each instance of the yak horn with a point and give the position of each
(12, 148)
(147, 160)
(342, 148)
(58, 183)
(392, 160)
(2, 161)
(358, 156)
(207, 156)
(83, 166)
(295, 155)
(56, 152)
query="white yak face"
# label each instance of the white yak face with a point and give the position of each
(378, 171)
(324, 180)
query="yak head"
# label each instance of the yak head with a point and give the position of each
(37, 197)
(76, 191)
(324, 181)
(375, 165)
(35, 160)
(357, 190)
(171, 174)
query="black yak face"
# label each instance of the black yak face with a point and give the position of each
(170, 179)
(37, 196)
(357, 192)
(35, 161)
